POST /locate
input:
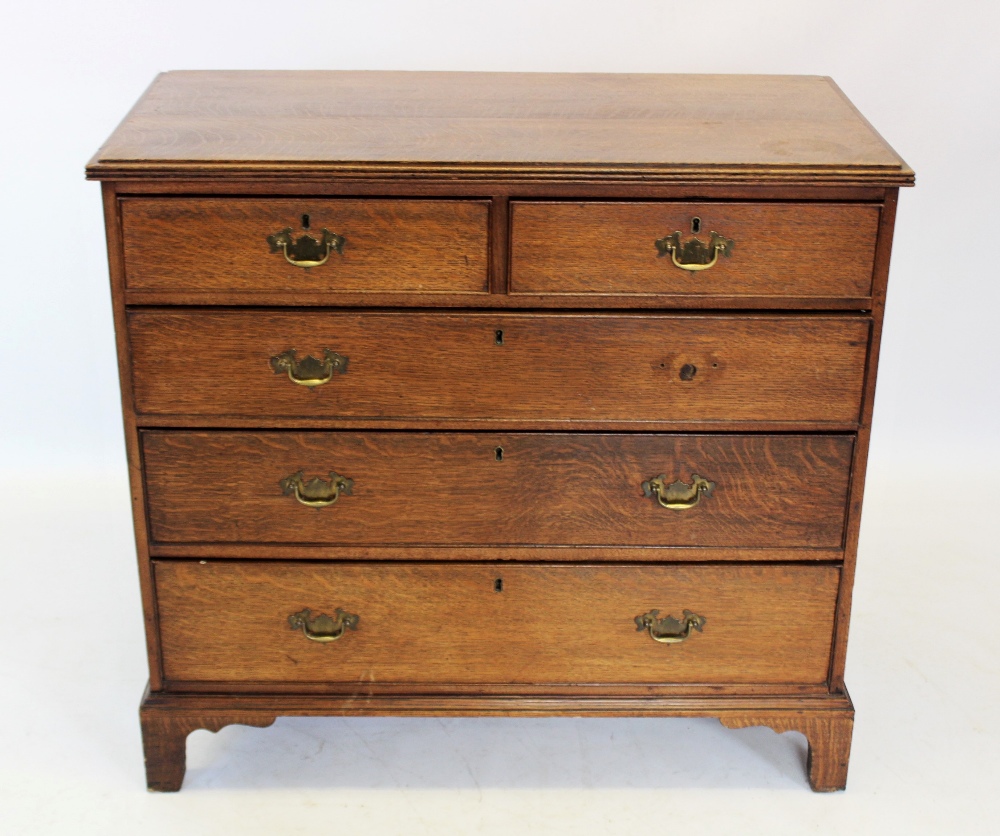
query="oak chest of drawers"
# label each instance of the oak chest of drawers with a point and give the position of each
(497, 394)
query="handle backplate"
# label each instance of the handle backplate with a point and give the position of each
(316, 493)
(669, 630)
(323, 628)
(308, 371)
(305, 251)
(678, 496)
(695, 255)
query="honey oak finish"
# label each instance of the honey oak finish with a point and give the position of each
(491, 489)
(494, 429)
(405, 246)
(548, 625)
(785, 249)
(558, 369)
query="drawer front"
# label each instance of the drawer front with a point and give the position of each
(219, 244)
(433, 623)
(485, 489)
(430, 367)
(815, 250)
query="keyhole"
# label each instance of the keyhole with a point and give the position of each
(498, 585)
(499, 454)
(499, 337)
(688, 371)
(305, 222)
(696, 225)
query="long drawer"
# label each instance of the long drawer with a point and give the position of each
(494, 489)
(202, 244)
(432, 367)
(490, 624)
(820, 251)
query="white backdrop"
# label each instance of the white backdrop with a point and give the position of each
(926, 74)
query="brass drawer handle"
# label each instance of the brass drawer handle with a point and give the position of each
(695, 255)
(669, 630)
(309, 371)
(322, 628)
(316, 493)
(306, 251)
(678, 496)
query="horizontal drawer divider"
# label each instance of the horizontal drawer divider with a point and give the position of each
(480, 431)
(693, 312)
(535, 561)
(457, 690)
(450, 190)
(621, 555)
(486, 425)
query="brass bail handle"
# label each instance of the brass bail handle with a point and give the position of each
(316, 493)
(695, 255)
(323, 628)
(309, 371)
(678, 496)
(669, 630)
(305, 251)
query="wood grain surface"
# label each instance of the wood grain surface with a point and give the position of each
(432, 623)
(207, 244)
(498, 191)
(681, 127)
(451, 489)
(549, 367)
(779, 250)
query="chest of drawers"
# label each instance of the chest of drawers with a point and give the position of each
(497, 394)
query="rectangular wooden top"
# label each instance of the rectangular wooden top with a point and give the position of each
(660, 128)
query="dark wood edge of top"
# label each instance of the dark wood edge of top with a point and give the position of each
(883, 176)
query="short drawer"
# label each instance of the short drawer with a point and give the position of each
(490, 489)
(479, 624)
(194, 245)
(820, 251)
(425, 368)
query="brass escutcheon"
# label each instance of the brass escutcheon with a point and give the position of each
(678, 496)
(316, 493)
(669, 630)
(306, 251)
(323, 628)
(695, 255)
(309, 371)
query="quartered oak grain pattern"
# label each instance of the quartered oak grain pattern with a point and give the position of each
(419, 172)
(497, 489)
(433, 623)
(779, 250)
(206, 244)
(503, 367)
